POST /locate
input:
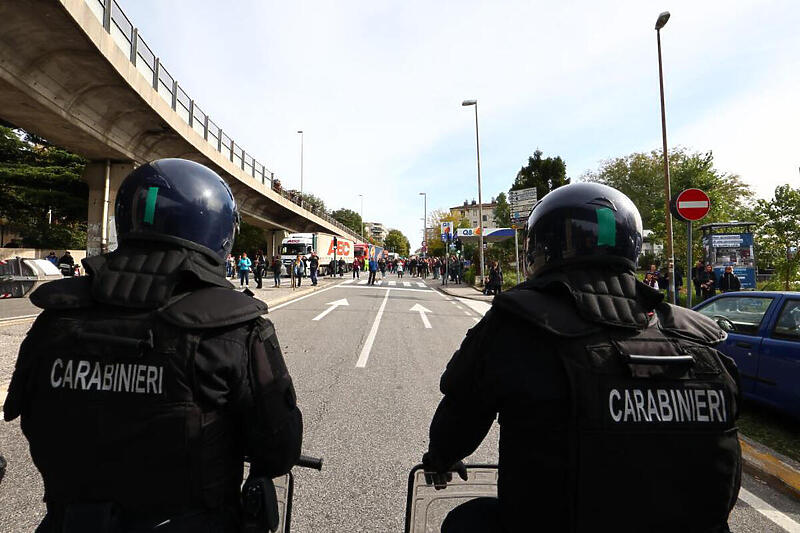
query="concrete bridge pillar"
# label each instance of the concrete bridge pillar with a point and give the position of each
(273, 238)
(104, 179)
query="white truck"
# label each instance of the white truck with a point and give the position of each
(322, 244)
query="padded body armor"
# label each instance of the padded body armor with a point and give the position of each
(118, 396)
(616, 413)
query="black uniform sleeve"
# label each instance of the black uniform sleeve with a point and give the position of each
(469, 406)
(273, 423)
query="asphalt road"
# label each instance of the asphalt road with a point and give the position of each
(366, 374)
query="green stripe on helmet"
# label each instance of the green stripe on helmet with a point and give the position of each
(150, 205)
(606, 227)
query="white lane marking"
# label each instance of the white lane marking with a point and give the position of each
(422, 310)
(478, 306)
(3, 394)
(459, 307)
(420, 284)
(362, 359)
(408, 283)
(333, 305)
(16, 320)
(349, 281)
(378, 282)
(364, 281)
(467, 313)
(393, 283)
(373, 287)
(476, 319)
(304, 297)
(769, 511)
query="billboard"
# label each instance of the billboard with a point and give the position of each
(735, 250)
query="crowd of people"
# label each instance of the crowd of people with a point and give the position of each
(705, 282)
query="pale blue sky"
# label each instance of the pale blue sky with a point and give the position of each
(377, 87)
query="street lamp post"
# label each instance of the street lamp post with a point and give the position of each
(362, 217)
(660, 22)
(301, 166)
(424, 221)
(480, 199)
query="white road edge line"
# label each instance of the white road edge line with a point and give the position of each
(304, 297)
(769, 511)
(362, 359)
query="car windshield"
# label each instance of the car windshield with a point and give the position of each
(746, 312)
(293, 249)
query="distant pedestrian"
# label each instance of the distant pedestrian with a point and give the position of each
(373, 269)
(697, 273)
(729, 281)
(356, 267)
(708, 282)
(495, 279)
(66, 264)
(332, 268)
(230, 265)
(244, 270)
(297, 271)
(400, 267)
(382, 267)
(258, 271)
(276, 270)
(53, 258)
(342, 266)
(314, 266)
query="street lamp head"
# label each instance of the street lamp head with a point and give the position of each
(423, 194)
(469, 102)
(662, 20)
(299, 131)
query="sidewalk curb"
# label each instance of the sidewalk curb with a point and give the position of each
(476, 297)
(296, 294)
(779, 472)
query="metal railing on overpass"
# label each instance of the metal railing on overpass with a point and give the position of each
(127, 38)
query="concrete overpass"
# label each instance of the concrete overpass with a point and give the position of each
(77, 72)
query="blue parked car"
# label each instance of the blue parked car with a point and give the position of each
(764, 340)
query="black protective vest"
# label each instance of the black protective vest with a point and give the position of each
(651, 436)
(109, 399)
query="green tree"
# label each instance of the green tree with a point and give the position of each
(314, 203)
(502, 213)
(250, 239)
(349, 218)
(397, 242)
(37, 178)
(544, 174)
(778, 233)
(641, 177)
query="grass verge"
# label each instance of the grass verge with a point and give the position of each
(771, 428)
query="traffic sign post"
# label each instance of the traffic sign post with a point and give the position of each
(520, 204)
(690, 205)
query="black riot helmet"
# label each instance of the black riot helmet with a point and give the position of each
(582, 223)
(178, 198)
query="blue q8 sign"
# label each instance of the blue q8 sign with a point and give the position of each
(735, 250)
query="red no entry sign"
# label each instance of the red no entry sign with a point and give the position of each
(692, 204)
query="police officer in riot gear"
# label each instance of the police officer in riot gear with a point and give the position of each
(616, 413)
(142, 386)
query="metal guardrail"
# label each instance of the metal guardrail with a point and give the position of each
(127, 38)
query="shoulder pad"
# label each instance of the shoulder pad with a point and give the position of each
(213, 307)
(553, 313)
(67, 293)
(685, 323)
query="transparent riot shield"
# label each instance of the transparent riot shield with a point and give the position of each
(284, 491)
(426, 507)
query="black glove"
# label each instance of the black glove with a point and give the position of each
(440, 479)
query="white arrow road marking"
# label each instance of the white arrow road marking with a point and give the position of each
(392, 283)
(333, 305)
(362, 359)
(420, 284)
(422, 315)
